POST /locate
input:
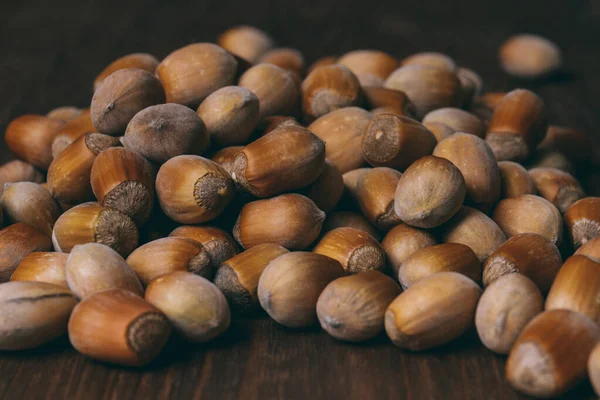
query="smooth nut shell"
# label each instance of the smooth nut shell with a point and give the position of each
(218, 243)
(349, 219)
(556, 186)
(143, 61)
(30, 138)
(582, 220)
(515, 180)
(591, 249)
(432, 59)
(286, 58)
(65, 113)
(71, 131)
(388, 101)
(42, 266)
(30, 203)
(403, 241)
(18, 171)
(16, 242)
(369, 64)
(375, 191)
(245, 41)
(457, 119)
(529, 56)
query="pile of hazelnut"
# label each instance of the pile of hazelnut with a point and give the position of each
(365, 194)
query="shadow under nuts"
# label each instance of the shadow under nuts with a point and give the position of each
(261, 222)
(403, 241)
(375, 191)
(290, 286)
(432, 312)
(582, 220)
(42, 266)
(285, 159)
(352, 308)
(218, 243)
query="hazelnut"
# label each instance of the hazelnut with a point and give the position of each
(430, 260)
(375, 191)
(577, 145)
(432, 312)
(290, 286)
(529, 254)
(356, 250)
(552, 159)
(396, 142)
(42, 266)
(119, 327)
(226, 156)
(121, 96)
(475, 160)
(515, 180)
(69, 173)
(471, 84)
(278, 121)
(30, 203)
(340, 219)
(457, 119)
(593, 367)
(30, 138)
(401, 242)
(321, 62)
(351, 181)
(369, 64)
(230, 115)
(582, 220)
(388, 101)
(219, 245)
(473, 228)
(556, 186)
(92, 223)
(196, 308)
(16, 242)
(431, 59)
(529, 214)
(329, 88)
(352, 308)
(342, 131)
(327, 190)
(191, 73)
(504, 309)
(192, 189)
(286, 58)
(439, 130)
(591, 249)
(65, 113)
(428, 87)
(71, 131)
(518, 125)
(290, 220)
(18, 171)
(483, 106)
(285, 159)
(33, 313)
(238, 276)
(273, 86)
(529, 56)
(143, 61)
(162, 256)
(539, 363)
(247, 42)
(429, 193)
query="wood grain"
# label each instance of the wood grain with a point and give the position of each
(50, 54)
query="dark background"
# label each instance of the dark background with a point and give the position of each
(50, 52)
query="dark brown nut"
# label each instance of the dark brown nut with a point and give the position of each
(238, 277)
(289, 287)
(191, 73)
(403, 241)
(421, 317)
(170, 254)
(432, 59)
(218, 243)
(356, 250)
(351, 180)
(342, 130)
(582, 220)
(65, 113)
(275, 88)
(388, 100)
(16, 242)
(504, 309)
(33, 313)
(529, 56)
(552, 159)
(529, 214)
(352, 308)
(326, 60)
(471, 83)
(164, 131)
(43, 266)
(447, 257)
(556, 186)
(69, 173)
(427, 87)
(285, 159)
(375, 191)
(18, 171)
(230, 115)
(475, 160)
(577, 145)
(286, 58)
(193, 189)
(457, 119)
(439, 130)
(515, 180)
(518, 125)
(473, 228)
(119, 327)
(261, 222)
(92, 268)
(247, 42)
(429, 192)
(329, 88)
(121, 96)
(576, 287)
(396, 142)
(72, 130)
(226, 156)
(528, 254)
(591, 249)
(30, 203)
(30, 138)
(349, 219)
(92, 223)
(327, 190)
(369, 65)
(143, 61)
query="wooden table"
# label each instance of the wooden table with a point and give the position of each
(50, 53)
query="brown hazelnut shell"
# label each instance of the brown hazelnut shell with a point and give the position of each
(143, 61)
(218, 243)
(582, 220)
(401, 242)
(30, 138)
(16, 242)
(43, 266)
(556, 186)
(375, 192)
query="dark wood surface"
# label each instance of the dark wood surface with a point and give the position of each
(51, 51)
